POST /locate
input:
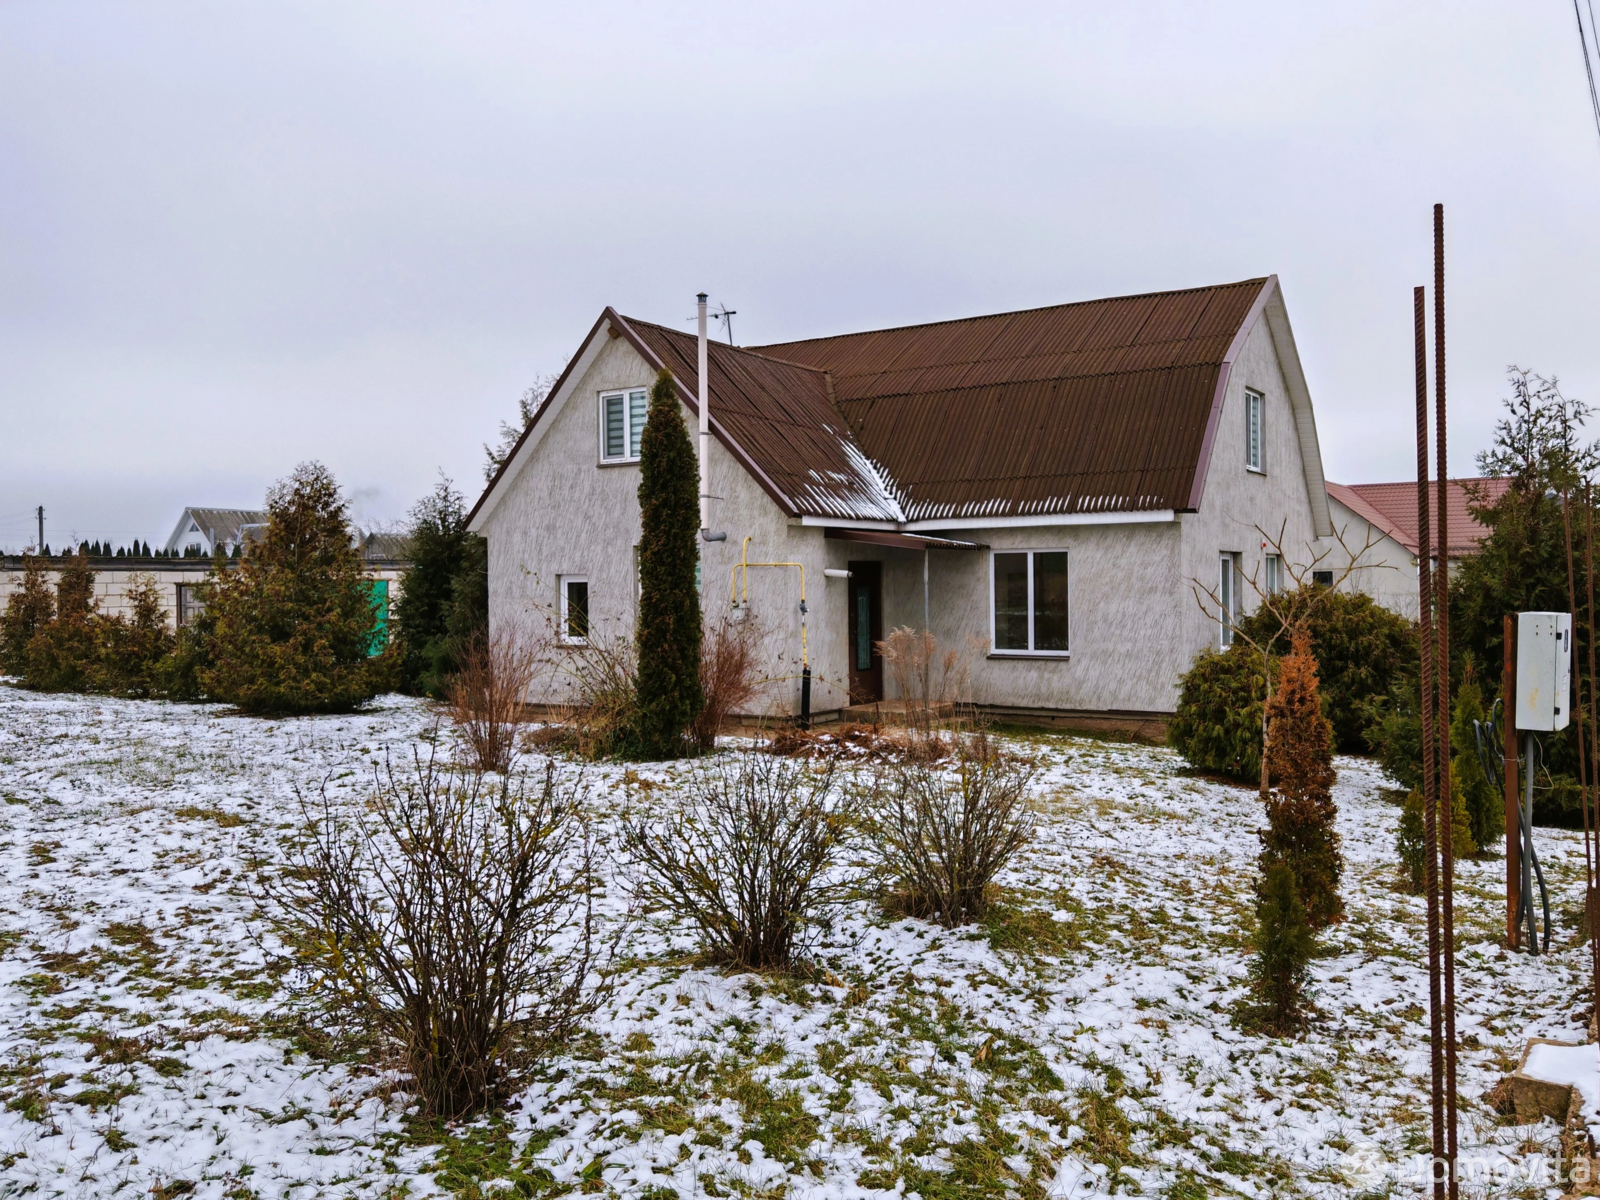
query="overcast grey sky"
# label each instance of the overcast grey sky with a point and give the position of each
(235, 236)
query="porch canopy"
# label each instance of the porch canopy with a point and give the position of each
(901, 541)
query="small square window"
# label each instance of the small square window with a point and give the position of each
(622, 417)
(1253, 404)
(1322, 578)
(574, 610)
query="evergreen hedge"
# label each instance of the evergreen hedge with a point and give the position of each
(669, 631)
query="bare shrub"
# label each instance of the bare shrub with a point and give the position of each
(730, 679)
(600, 719)
(930, 679)
(453, 917)
(940, 835)
(486, 695)
(745, 855)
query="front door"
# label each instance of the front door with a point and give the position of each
(866, 631)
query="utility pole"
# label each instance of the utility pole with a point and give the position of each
(39, 548)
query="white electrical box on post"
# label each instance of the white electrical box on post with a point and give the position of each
(1544, 670)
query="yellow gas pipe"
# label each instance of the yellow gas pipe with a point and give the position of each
(741, 573)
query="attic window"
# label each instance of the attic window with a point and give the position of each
(622, 417)
(1254, 402)
(193, 528)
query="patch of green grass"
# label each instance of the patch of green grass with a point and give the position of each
(478, 1161)
(1029, 931)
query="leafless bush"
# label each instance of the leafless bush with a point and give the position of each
(931, 680)
(730, 678)
(453, 917)
(599, 718)
(745, 855)
(940, 835)
(487, 693)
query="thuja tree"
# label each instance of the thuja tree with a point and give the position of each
(31, 607)
(1300, 829)
(443, 600)
(291, 626)
(668, 634)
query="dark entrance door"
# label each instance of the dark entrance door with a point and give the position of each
(866, 631)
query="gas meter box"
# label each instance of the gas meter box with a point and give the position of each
(1544, 670)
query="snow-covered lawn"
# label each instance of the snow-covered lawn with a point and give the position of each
(1085, 1042)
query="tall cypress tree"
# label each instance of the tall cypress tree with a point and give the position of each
(668, 634)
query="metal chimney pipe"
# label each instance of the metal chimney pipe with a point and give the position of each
(705, 422)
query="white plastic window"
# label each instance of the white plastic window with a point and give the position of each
(622, 417)
(1226, 601)
(1030, 602)
(1253, 403)
(574, 610)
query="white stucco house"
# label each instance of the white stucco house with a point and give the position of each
(1048, 486)
(1383, 518)
(202, 530)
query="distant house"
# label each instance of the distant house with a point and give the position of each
(1046, 489)
(1383, 517)
(203, 530)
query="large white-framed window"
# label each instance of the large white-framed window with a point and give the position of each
(574, 610)
(1028, 598)
(1227, 599)
(1254, 403)
(622, 417)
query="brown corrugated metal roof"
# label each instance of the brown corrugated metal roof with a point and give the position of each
(1096, 407)
(1396, 508)
(1099, 406)
(778, 415)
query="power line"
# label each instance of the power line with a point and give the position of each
(1588, 63)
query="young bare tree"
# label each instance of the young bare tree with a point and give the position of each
(487, 693)
(1288, 608)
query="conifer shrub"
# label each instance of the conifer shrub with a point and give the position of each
(63, 655)
(1361, 649)
(1300, 829)
(133, 651)
(453, 917)
(1411, 836)
(31, 607)
(291, 628)
(443, 607)
(1483, 801)
(745, 853)
(1284, 945)
(669, 630)
(1217, 726)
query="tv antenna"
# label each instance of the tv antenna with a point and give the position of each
(724, 314)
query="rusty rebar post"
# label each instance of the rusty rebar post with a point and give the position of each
(1591, 897)
(1430, 796)
(1441, 720)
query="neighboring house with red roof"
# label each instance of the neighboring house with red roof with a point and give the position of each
(1047, 486)
(1383, 517)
